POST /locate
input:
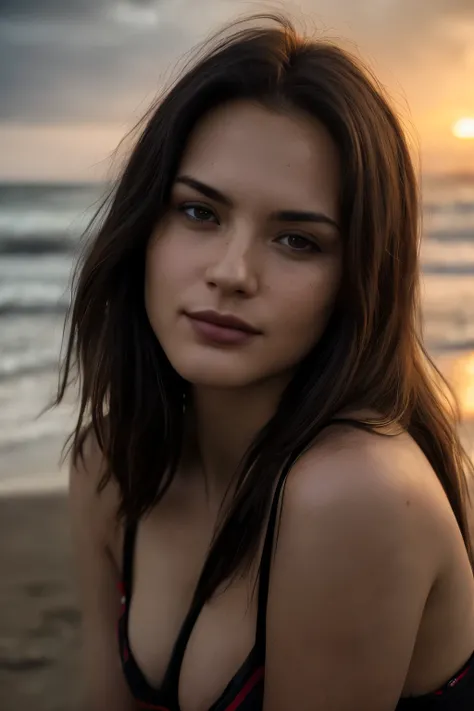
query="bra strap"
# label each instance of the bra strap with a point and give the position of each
(171, 681)
(266, 558)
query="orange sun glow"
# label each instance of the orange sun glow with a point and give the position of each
(464, 128)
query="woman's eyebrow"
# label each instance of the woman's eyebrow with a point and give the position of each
(207, 190)
(303, 216)
(280, 215)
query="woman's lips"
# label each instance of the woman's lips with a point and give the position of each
(218, 333)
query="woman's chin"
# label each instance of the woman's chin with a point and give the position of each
(215, 375)
(215, 379)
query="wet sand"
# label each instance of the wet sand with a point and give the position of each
(39, 618)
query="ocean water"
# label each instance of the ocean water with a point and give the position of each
(40, 227)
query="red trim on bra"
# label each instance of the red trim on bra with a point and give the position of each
(453, 682)
(246, 689)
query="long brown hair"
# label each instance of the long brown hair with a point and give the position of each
(371, 354)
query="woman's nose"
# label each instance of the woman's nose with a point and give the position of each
(234, 268)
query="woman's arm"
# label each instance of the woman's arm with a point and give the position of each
(93, 525)
(353, 567)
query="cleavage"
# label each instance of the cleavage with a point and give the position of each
(168, 559)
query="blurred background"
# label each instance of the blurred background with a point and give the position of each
(75, 76)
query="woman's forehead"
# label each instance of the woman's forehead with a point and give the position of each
(245, 148)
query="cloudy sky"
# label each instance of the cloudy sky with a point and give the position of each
(76, 74)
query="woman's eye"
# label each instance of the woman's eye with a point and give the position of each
(198, 213)
(299, 243)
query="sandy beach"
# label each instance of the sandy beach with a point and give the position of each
(39, 620)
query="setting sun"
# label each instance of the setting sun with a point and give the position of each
(464, 128)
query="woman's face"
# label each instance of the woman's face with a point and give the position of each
(251, 233)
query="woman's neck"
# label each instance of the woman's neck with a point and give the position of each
(225, 422)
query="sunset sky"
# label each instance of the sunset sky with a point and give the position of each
(75, 74)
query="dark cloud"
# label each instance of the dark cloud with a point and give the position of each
(99, 60)
(65, 9)
(83, 65)
(44, 9)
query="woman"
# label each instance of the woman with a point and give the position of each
(265, 462)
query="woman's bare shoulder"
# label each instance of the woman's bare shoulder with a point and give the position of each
(351, 457)
(353, 471)
(347, 458)
(94, 496)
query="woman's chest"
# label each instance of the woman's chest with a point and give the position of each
(166, 568)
